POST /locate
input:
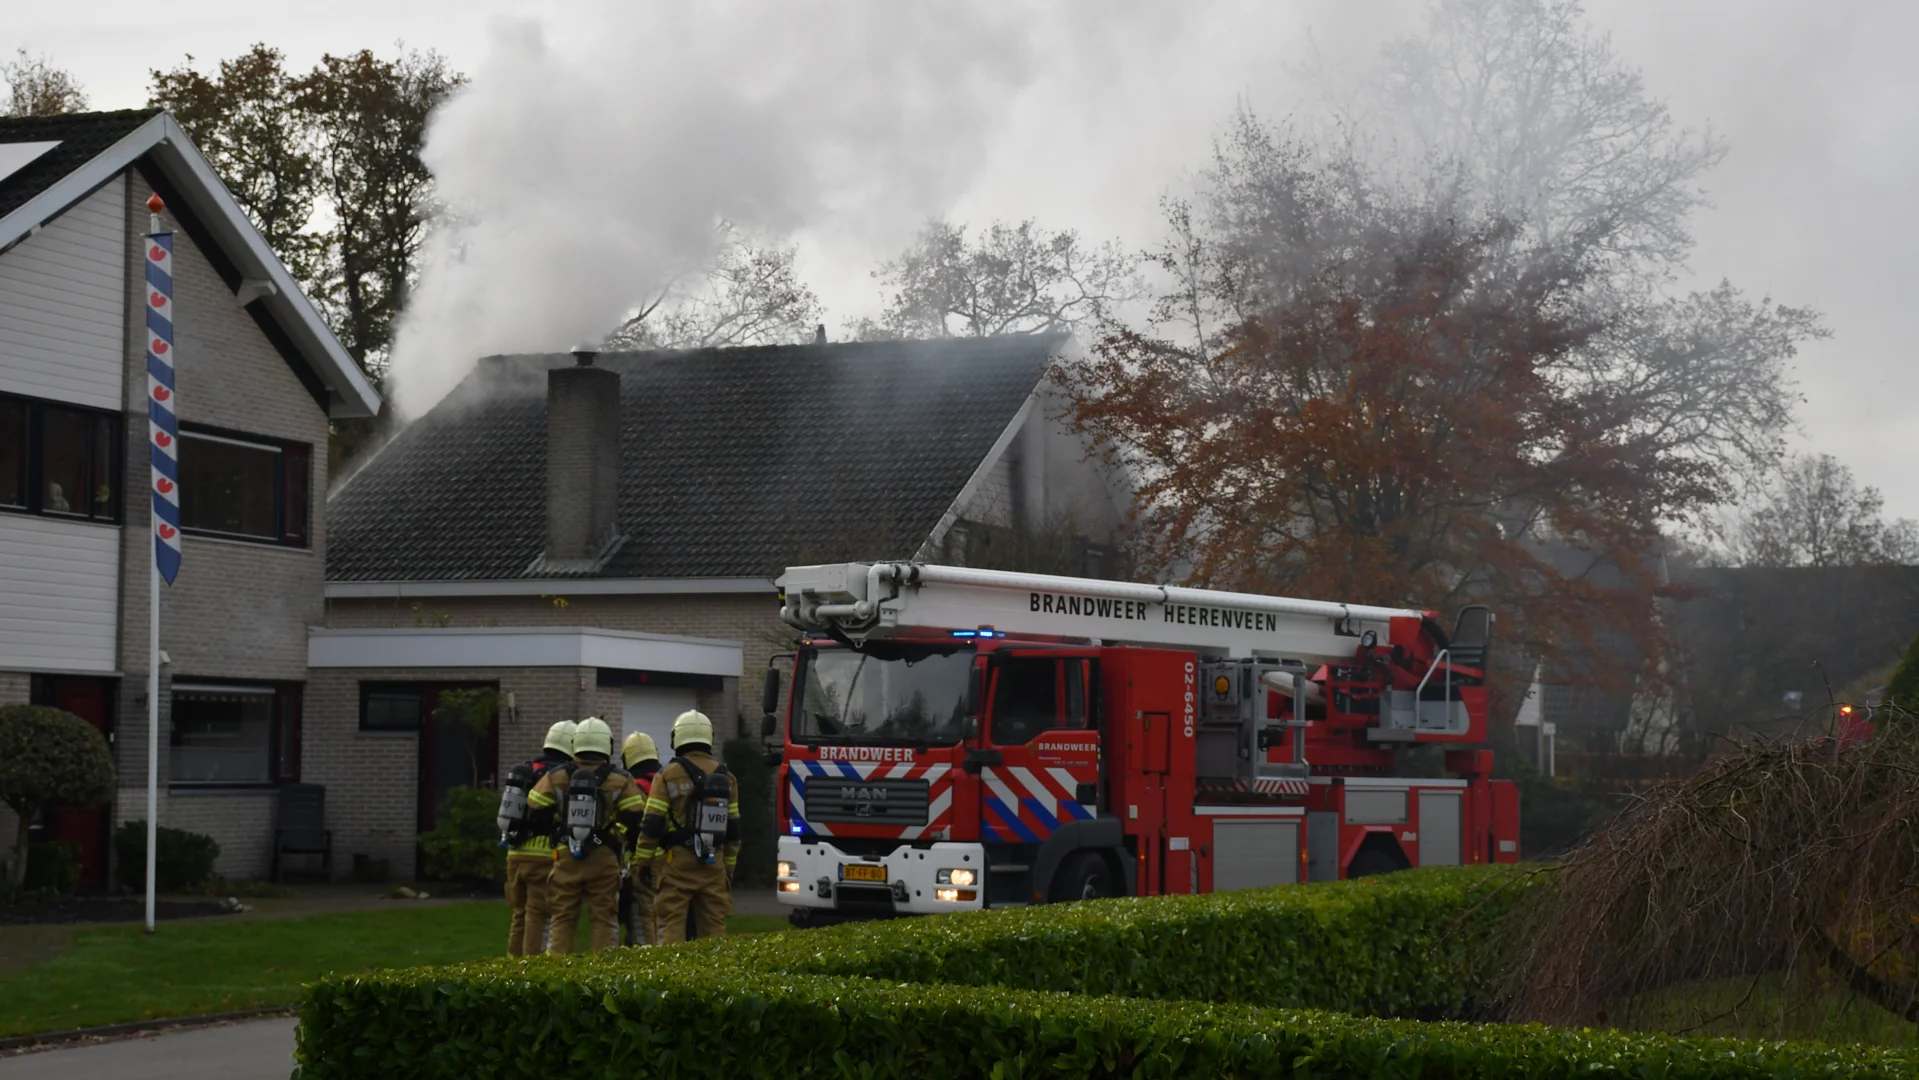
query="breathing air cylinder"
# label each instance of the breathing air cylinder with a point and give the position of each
(582, 811)
(512, 813)
(710, 815)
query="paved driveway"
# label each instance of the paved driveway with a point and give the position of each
(253, 1050)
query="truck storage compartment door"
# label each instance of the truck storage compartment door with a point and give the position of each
(1254, 854)
(1439, 828)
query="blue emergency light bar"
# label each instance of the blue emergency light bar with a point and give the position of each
(982, 632)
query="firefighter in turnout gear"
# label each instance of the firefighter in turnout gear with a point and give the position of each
(690, 838)
(589, 805)
(637, 888)
(529, 851)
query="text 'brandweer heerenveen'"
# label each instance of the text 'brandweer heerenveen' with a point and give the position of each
(1100, 607)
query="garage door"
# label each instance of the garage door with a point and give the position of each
(651, 709)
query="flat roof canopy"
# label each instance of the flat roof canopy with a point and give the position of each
(521, 646)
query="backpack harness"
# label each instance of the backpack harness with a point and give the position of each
(580, 825)
(706, 830)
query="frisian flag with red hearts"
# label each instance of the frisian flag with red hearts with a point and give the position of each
(163, 444)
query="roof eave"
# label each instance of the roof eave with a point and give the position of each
(349, 393)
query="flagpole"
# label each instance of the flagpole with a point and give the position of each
(162, 455)
(153, 727)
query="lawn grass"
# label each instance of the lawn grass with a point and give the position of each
(1769, 1007)
(115, 974)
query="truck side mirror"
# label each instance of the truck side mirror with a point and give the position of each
(769, 725)
(770, 692)
(969, 728)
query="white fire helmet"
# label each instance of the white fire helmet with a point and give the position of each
(692, 726)
(593, 737)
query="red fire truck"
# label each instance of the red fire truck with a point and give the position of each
(960, 738)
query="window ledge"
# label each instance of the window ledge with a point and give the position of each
(386, 734)
(222, 789)
(256, 545)
(65, 519)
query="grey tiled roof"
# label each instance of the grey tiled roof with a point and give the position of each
(82, 136)
(735, 462)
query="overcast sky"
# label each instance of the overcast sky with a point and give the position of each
(1814, 205)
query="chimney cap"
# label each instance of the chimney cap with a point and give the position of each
(583, 356)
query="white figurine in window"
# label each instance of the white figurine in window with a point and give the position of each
(57, 500)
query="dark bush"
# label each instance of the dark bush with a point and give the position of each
(53, 868)
(183, 861)
(759, 836)
(465, 842)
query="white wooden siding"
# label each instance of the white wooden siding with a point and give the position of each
(62, 302)
(59, 594)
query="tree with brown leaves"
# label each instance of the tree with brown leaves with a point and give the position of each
(1347, 393)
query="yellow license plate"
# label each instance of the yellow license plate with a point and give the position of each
(862, 873)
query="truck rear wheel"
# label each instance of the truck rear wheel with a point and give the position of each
(1085, 876)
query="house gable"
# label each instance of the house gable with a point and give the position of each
(95, 148)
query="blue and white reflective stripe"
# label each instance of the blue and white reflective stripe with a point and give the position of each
(163, 439)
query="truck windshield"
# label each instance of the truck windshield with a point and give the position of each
(883, 694)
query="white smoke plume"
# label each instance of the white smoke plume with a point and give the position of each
(581, 177)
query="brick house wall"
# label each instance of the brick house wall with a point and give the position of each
(372, 777)
(237, 610)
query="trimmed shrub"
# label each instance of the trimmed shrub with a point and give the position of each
(956, 996)
(49, 758)
(465, 842)
(183, 861)
(53, 868)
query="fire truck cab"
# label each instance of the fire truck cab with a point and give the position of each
(958, 739)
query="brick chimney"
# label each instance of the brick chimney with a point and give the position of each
(582, 463)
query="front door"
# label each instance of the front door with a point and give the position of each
(459, 745)
(91, 700)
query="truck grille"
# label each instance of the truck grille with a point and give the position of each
(866, 802)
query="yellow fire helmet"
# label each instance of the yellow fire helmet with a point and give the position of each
(593, 737)
(560, 737)
(638, 747)
(692, 726)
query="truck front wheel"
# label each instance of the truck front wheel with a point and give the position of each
(1085, 876)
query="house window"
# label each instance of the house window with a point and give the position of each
(59, 460)
(244, 488)
(392, 706)
(235, 734)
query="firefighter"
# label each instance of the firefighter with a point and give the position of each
(690, 838)
(529, 855)
(642, 757)
(587, 804)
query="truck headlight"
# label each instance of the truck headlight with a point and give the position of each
(955, 877)
(785, 868)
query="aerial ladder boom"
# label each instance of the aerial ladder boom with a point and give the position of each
(862, 601)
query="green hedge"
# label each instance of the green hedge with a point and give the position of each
(964, 996)
(1416, 944)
